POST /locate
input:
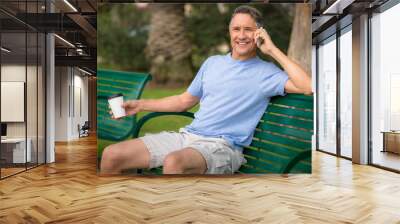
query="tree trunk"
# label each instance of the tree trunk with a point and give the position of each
(168, 47)
(300, 39)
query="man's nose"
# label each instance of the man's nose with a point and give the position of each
(242, 34)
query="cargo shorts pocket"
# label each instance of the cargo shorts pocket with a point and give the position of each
(215, 154)
(237, 160)
(225, 159)
(222, 161)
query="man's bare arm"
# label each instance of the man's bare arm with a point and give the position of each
(299, 81)
(177, 103)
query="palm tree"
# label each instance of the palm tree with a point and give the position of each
(168, 47)
(300, 39)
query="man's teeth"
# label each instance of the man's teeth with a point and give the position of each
(242, 43)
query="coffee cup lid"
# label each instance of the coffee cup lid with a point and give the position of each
(115, 95)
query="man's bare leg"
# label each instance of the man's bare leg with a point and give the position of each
(184, 161)
(124, 155)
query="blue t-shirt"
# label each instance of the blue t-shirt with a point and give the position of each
(233, 96)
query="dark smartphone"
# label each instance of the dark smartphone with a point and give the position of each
(260, 41)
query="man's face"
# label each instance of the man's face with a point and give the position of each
(241, 30)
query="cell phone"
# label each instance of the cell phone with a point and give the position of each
(260, 41)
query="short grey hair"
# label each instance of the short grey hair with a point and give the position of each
(253, 12)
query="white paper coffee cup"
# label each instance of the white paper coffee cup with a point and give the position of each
(115, 102)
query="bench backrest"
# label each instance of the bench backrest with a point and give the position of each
(131, 85)
(284, 131)
(282, 137)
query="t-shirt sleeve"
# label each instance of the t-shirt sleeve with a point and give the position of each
(196, 87)
(273, 83)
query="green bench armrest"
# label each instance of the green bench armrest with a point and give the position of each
(152, 115)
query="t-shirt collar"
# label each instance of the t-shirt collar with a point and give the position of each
(231, 59)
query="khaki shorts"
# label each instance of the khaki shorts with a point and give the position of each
(220, 157)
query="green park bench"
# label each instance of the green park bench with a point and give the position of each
(282, 139)
(131, 85)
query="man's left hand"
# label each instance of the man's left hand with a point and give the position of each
(267, 45)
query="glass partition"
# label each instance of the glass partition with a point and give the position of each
(346, 93)
(327, 95)
(22, 92)
(13, 93)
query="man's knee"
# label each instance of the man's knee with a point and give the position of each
(173, 164)
(110, 156)
(125, 155)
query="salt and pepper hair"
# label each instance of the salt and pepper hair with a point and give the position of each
(254, 13)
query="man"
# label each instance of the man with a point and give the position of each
(233, 91)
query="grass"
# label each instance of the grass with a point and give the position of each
(165, 123)
(170, 123)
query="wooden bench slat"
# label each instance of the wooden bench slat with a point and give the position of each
(288, 121)
(246, 168)
(290, 112)
(302, 97)
(282, 140)
(278, 149)
(119, 82)
(262, 165)
(285, 130)
(123, 76)
(110, 92)
(107, 86)
(273, 158)
(295, 103)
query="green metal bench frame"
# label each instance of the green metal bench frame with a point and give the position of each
(282, 139)
(131, 85)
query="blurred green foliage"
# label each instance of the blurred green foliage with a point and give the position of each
(123, 32)
(122, 36)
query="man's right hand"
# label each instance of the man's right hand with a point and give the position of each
(132, 107)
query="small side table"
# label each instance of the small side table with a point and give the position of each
(14, 150)
(391, 141)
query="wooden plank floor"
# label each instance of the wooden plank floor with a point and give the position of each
(10, 171)
(69, 191)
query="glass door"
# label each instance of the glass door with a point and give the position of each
(346, 92)
(327, 95)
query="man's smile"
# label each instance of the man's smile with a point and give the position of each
(243, 42)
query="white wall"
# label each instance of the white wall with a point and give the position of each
(12, 73)
(80, 94)
(61, 103)
(70, 83)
